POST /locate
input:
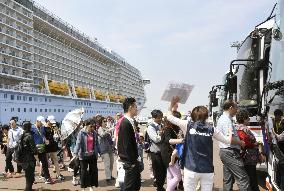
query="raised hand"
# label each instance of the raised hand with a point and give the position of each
(174, 103)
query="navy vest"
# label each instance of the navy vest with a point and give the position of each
(198, 148)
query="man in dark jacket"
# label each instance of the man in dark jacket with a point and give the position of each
(127, 147)
(28, 162)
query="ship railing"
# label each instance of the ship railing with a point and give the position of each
(47, 15)
(18, 87)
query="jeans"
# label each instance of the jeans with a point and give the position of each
(173, 176)
(9, 165)
(108, 163)
(159, 170)
(191, 180)
(30, 177)
(89, 178)
(233, 168)
(132, 178)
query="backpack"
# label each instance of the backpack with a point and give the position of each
(147, 142)
(19, 151)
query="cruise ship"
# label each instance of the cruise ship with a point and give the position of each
(48, 67)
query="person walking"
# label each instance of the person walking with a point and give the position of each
(29, 161)
(233, 166)
(171, 132)
(250, 153)
(127, 147)
(3, 143)
(87, 150)
(39, 139)
(197, 157)
(154, 131)
(51, 145)
(106, 146)
(14, 135)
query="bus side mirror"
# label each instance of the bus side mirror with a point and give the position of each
(214, 99)
(232, 84)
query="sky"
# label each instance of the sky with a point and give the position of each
(185, 41)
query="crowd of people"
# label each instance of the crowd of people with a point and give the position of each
(180, 151)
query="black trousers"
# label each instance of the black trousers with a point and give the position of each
(251, 171)
(76, 167)
(30, 177)
(132, 178)
(9, 165)
(89, 178)
(43, 159)
(159, 170)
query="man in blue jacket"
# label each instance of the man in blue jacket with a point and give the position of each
(39, 138)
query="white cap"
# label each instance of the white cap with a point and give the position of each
(40, 118)
(51, 119)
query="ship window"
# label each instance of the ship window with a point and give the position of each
(62, 110)
(5, 109)
(30, 98)
(19, 97)
(54, 110)
(31, 109)
(40, 110)
(12, 109)
(25, 109)
(19, 109)
(12, 97)
(89, 104)
(45, 99)
(45, 110)
(35, 109)
(5, 95)
(58, 110)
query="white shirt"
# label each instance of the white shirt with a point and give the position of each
(14, 135)
(225, 126)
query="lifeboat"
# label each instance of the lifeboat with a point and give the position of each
(82, 92)
(121, 98)
(112, 97)
(58, 88)
(100, 95)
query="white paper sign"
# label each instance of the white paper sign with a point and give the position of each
(181, 90)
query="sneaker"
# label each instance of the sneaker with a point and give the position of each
(62, 167)
(117, 184)
(60, 177)
(75, 182)
(70, 169)
(41, 177)
(17, 175)
(112, 178)
(49, 181)
(8, 175)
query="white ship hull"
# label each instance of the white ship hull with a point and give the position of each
(26, 106)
